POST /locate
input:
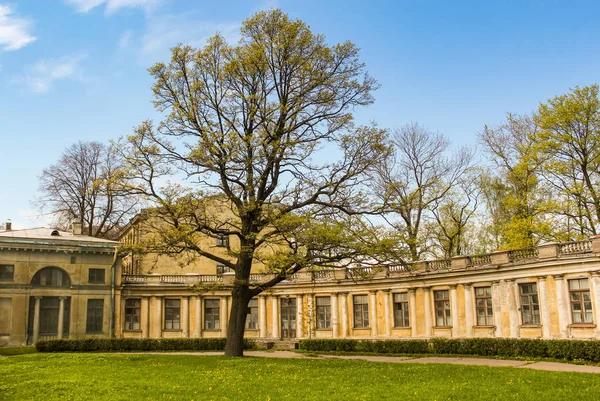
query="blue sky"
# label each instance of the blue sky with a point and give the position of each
(76, 69)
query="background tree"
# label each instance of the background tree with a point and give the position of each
(414, 179)
(518, 204)
(265, 129)
(569, 144)
(86, 184)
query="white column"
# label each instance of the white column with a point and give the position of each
(36, 318)
(61, 315)
(262, 316)
(412, 304)
(427, 308)
(595, 286)
(387, 313)
(275, 316)
(562, 305)
(145, 318)
(157, 317)
(497, 307)
(454, 311)
(223, 316)
(344, 301)
(185, 317)
(335, 321)
(299, 313)
(513, 290)
(198, 316)
(373, 314)
(545, 307)
(468, 310)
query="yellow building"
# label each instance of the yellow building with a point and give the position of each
(552, 291)
(55, 284)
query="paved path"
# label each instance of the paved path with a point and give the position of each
(551, 366)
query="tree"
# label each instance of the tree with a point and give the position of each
(247, 126)
(520, 212)
(86, 185)
(414, 179)
(569, 144)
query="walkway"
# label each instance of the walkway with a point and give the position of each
(552, 366)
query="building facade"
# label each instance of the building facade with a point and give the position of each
(552, 291)
(55, 284)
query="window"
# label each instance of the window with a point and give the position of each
(483, 306)
(222, 240)
(51, 277)
(324, 312)
(96, 276)
(7, 272)
(132, 314)
(530, 305)
(252, 317)
(211, 314)
(581, 301)
(442, 308)
(222, 269)
(95, 316)
(172, 314)
(361, 311)
(401, 313)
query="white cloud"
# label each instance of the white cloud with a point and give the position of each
(166, 31)
(15, 32)
(41, 76)
(84, 6)
(125, 39)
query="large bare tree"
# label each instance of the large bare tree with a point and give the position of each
(414, 179)
(263, 129)
(86, 185)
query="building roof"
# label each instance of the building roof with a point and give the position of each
(45, 234)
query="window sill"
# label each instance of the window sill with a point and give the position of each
(442, 327)
(362, 328)
(172, 330)
(324, 329)
(250, 329)
(401, 327)
(213, 330)
(485, 327)
(582, 325)
(133, 331)
(530, 326)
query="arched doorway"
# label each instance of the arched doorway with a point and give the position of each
(49, 305)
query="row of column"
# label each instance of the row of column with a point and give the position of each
(36, 317)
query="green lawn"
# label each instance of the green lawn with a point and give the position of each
(180, 377)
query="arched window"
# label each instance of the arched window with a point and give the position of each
(51, 277)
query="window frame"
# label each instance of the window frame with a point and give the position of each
(222, 241)
(93, 273)
(442, 305)
(323, 312)
(213, 312)
(583, 311)
(5, 276)
(136, 308)
(487, 307)
(252, 316)
(401, 310)
(530, 305)
(360, 311)
(172, 314)
(92, 320)
(223, 269)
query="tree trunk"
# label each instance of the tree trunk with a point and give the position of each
(240, 296)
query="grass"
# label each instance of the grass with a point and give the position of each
(8, 351)
(182, 377)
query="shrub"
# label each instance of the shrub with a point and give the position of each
(136, 344)
(585, 350)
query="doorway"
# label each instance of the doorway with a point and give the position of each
(288, 318)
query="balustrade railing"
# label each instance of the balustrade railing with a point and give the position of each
(318, 275)
(521, 254)
(479, 260)
(573, 248)
(441, 264)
